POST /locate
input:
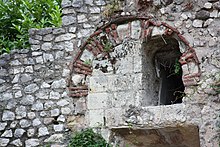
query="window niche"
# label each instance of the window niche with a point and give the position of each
(163, 72)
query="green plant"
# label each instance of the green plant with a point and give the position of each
(111, 8)
(177, 67)
(18, 16)
(88, 138)
(88, 62)
(107, 47)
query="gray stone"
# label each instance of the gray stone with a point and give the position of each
(35, 47)
(81, 18)
(59, 84)
(16, 142)
(214, 13)
(30, 132)
(202, 14)
(6, 96)
(2, 81)
(59, 55)
(3, 72)
(46, 46)
(62, 103)
(55, 112)
(69, 11)
(11, 104)
(77, 3)
(38, 106)
(45, 85)
(48, 120)
(28, 61)
(208, 5)
(197, 23)
(65, 111)
(4, 141)
(48, 37)
(43, 114)
(208, 22)
(66, 3)
(16, 79)
(217, 5)
(72, 29)
(2, 126)
(55, 138)
(15, 62)
(20, 112)
(80, 107)
(18, 94)
(36, 122)
(54, 95)
(25, 78)
(39, 60)
(61, 118)
(31, 115)
(7, 133)
(42, 131)
(68, 20)
(58, 128)
(59, 31)
(24, 123)
(48, 104)
(14, 124)
(31, 88)
(19, 132)
(32, 142)
(33, 41)
(178, 2)
(8, 115)
(65, 37)
(28, 100)
(48, 57)
(42, 94)
(44, 31)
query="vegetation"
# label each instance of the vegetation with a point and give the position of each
(88, 138)
(111, 8)
(18, 16)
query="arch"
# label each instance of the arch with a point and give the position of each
(112, 34)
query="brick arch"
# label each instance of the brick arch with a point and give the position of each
(115, 32)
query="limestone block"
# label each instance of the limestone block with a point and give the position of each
(97, 101)
(135, 29)
(123, 31)
(96, 118)
(98, 83)
(158, 31)
(117, 83)
(114, 116)
(124, 66)
(65, 37)
(55, 138)
(121, 99)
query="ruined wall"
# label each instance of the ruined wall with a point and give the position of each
(38, 109)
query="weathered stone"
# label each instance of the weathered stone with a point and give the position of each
(2, 126)
(28, 100)
(59, 84)
(31, 115)
(36, 122)
(6, 96)
(32, 142)
(38, 106)
(202, 14)
(65, 111)
(43, 114)
(33, 41)
(31, 88)
(214, 13)
(7, 133)
(19, 132)
(45, 85)
(8, 115)
(18, 94)
(48, 120)
(65, 37)
(42, 94)
(24, 123)
(80, 107)
(25, 78)
(61, 118)
(58, 128)
(20, 112)
(77, 79)
(48, 57)
(42, 131)
(68, 20)
(4, 141)
(197, 23)
(208, 22)
(46, 46)
(48, 37)
(48, 104)
(62, 103)
(208, 5)
(30, 132)
(55, 112)
(55, 138)
(39, 60)
(16, 142)
(82, 18)
(13, 124)
(54, 95)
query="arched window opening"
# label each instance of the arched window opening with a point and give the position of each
(162, 65)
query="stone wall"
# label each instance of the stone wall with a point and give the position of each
(62, 85)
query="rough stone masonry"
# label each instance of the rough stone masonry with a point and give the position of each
(99, 70)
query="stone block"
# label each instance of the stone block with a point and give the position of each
(123, 31)
(96, 118)
(98, 83)
(68, 20)
(8, 115)
(4, 141)
(97, 100)
(124, 66)
(121, 99)
(158, 31)
(65, 37)
(43, 131)
(135, 29)
(32, 142)
(119, 83)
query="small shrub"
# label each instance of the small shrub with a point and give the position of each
(18, 16)
(88, 138)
